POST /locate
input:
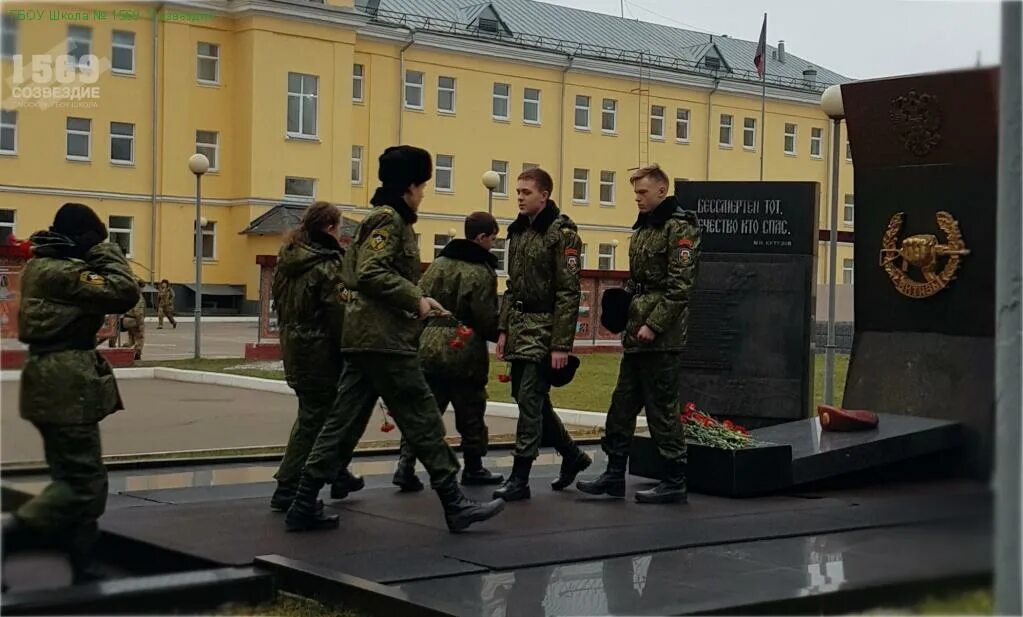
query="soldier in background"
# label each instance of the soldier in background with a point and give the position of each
(453, 350)
(134, 323)
(165, 304)
(73, 281)
(663, 259)
(539, 313)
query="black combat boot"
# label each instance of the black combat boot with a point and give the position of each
(611, 482)
(460, 511)
(672, 488)
(281, 500)
(573, 461)
(405, 476)
(346, 482)
(516, 487)
(81, 552)
(304, 515)
(475, 474)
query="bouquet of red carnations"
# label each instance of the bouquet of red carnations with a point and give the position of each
(702, 429)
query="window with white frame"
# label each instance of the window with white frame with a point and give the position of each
(609, 116)
(356, 164)
(682, 125)
(816, 140)
(7, 218)
(501, 167)
(581, 185)
(208, 143)
(749, 133)
(501, 101)
(849, 211)
(446, 94)
(444, 178)
(848, 151)
(302, 104)
(582, 112)
(606, 257)
(848, 271)
(531, 105)
(500, 251)
(414, 89)
(582, 257)
(207, 63)
(8, 131)
(79, 138)
(790, 138)
(528, 166)
(9, 41)
(299, 189)
(209, 241)
(119, 228)
(358, 82)
(657, 121)
(439, 242)
(122, 56)
(79, 47)
(725, 130)
(122, 142)
(607, 188)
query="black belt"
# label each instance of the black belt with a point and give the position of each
(44, 348)
(526, 307)
(639, 288)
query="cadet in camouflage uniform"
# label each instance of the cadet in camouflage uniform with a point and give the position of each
(380, 341)
(73, 281)
(663, 261)
(311, 300)
(135, 324)
(165, 304)
(539, 312)
(457, 364)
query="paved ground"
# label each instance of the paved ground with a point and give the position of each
(219, 340)
(162, 416)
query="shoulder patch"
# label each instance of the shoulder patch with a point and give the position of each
(91, 278)
(685, 242)
(343, 294)
(378, 239)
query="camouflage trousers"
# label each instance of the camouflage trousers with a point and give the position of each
(399, 381)
(165, 311)
(314, 405)
(538, 424)
(647, 381)
(77, 494)
(470, 402)
(137, 339)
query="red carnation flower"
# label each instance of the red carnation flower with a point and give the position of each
(464, 331)
(456, 343)
(387, 426)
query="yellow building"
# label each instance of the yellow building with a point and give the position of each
(294, 100)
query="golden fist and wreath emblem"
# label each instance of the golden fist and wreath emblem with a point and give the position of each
(924, 252)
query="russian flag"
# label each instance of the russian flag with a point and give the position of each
(760, 59)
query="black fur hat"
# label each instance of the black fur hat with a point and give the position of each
(73, 220)
(562, 376)
(401, 166)
(614, 309)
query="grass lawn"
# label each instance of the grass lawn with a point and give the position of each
(589, 391)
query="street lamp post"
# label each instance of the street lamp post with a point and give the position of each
(831, 102)
(198, 164)
(491, 179)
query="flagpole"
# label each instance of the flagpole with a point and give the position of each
(763, 100)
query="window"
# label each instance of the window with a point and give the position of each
(501, 167)
(299, 189)
(207, 63)
(6, 225)
(356, 164)
(302, 105)
(581, 185)
(122, 142)
(749, 133)
(606, 257)
(582, 257)
(414, 89)
(607, 188)
(79, 138)
(790, 138)
(120, 233)
(848, 151)
(682, 125)
(816, 138)
(209, 241)
(8, 131)
(123, 54)
(79, 47)
(531, 106)
(208, 143)
(847, 271)
(609, 116)
(712, 63)
(445, 176)
(446, 94)
(500, 251)
(501, 101)
(9, 43)
(725, 130)
(358, 81)
(528, 166)
(849, 211)
(582, 112)
(657, 121)
(439, 242)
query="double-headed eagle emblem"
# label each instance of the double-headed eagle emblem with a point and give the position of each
(924, 252)
(916, 119)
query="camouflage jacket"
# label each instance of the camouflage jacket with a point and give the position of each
(310, 300)
(663, 259)
(540, 308)
(165, 296)
(463, 279)
(382, 268)
(64, 302)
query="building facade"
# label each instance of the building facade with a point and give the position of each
(293, 101)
